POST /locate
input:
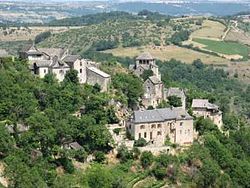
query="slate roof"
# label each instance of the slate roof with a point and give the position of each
(52, 51)
(203, 103)
(160, 115)
(174, 91)
(42, 63)
(99, 72)
(145, 56)
(155, 80)
(71, 58)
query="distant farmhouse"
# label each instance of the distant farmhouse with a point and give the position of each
(155, 126)
(202, 108)
(58, 61)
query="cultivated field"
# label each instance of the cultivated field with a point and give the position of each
(210, 29)
(232, 49)
(169, 52)
(238, 35)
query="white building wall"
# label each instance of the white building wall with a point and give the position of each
(42, 71)
(60, 73)
(180, 132)
(80, 66)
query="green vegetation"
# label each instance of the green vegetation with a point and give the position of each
(42, 36)
(228, 48)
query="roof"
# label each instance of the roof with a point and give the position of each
(175, 91)
(160, 115)
(43, 63)
(145, 56)
(52, 51)
(203, 103)
(71, 58)
(99, 72)
(155, 80)
(3, 53)
(75, 145)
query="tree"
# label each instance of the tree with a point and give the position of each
(100, 157)
(124, 154)
(198, 64)
(146, 159)
(140, 142)
(210, 171)
(6, 141)
(174, 101)
(146, 74)
(42, 36)
(71, 77)
(99, 177)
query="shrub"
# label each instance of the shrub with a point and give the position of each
(146, 159)
(140, 142)
(100, 157)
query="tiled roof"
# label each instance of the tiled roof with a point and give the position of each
(160, 115)
(145, 56)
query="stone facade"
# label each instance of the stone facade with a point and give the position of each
(57, 61)
(153, 94)
(156, 126)
(145, 61)
(202, 108)
(96, 76)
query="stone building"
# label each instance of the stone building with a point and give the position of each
(145, 61)
(153, 94)
(202, 108)
(158, 125)
(58, 61)
(174, 91)
(96, 76)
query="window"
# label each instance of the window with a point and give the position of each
(153, 126)
(181, 123)
(80, 70)
(145, 135)
(151, 135)
(139, 135)
(142, 127)
(159, 133)
(44, 71)
(61, 71)
(159, 126)
(80, 63)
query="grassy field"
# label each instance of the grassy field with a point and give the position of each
(227, 48)
(210, 29)
(169, 52)
(238, 36)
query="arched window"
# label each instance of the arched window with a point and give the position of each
(153, 126)
(159, 126)
(142, 126)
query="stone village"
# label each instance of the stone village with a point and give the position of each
(155, 126)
